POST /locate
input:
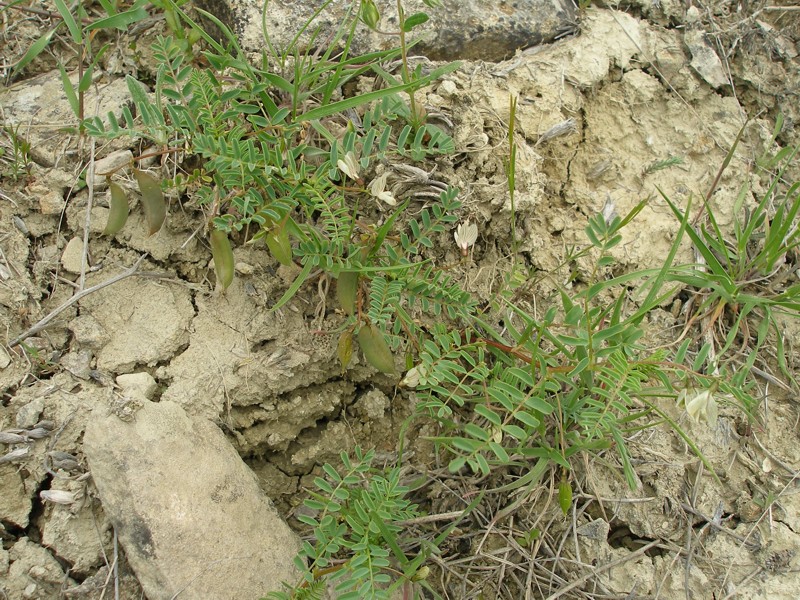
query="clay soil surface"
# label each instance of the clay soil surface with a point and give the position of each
(599, 113)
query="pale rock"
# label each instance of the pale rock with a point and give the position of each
(188, 512)
(98, 220)
(5, 359)
(447, 89)
(108, 165)
(43, 101)
(372, 406)
(74, 536)
(147, 322)
(72, 256)
(51, 202)
(30, 414)
(55, 179)
(34, 572)
(88, 332)
(78, 363)
(704, 60)
(244, 268)
(141, 384)
(596, 530)
(15, 501)
(468, 29)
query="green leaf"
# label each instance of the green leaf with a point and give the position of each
(69, 20)
(299, 280)
(515, 432)
(414, 20)
(500, 452)
(69, 91)
(527, 418)
(476, 432)
(342, 105)
(277, 240)
(33, 51)
(121, 20)
(488, 414)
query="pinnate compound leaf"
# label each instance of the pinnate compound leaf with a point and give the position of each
(118, 210)
(155, 207)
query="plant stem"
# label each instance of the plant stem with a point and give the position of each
(415, 121)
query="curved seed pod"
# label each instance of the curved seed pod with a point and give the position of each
(279, 245)
(344, 349)
(375, 349)
(223, 257)
(155, 207)
(118, 210)
(346, 291)
(8, 437)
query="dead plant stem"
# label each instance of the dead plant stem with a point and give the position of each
(607, 567)
(81, 294)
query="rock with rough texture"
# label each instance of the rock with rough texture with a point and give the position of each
(138, 383)
(704, 60)
(43, 99)
(33, 573)
(468, 29)
(72, 256)
(75, 536)
(15, 502)
(188, 512)
(146, 322)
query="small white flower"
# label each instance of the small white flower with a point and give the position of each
(378, 189)
(609, 211)
(414, 377)
(57, 496)
(700, 406)
(348, 165)
(466, 235)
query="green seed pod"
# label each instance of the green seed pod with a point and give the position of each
(223, 257)
(564, 495)
(118, 210)
(369, 13)
(279, 245)
(347, 290)
(344, 349)
(155, 207)
(375, 349)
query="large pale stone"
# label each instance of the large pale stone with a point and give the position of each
(189, 513)
(146, 322)
(467, 29)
